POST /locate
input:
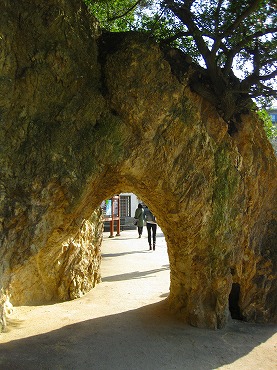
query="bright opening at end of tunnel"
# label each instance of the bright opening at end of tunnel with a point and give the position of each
(132, 272)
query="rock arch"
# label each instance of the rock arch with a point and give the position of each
(84, 117)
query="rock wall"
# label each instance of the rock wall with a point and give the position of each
(49, 72)
(84, 117)
(61, 272)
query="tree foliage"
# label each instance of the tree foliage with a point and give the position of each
(270, 129)
(233, 42)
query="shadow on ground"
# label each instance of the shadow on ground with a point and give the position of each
(112, 255)
(145, 338)
(134, 275)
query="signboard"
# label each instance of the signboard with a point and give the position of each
(111, 212)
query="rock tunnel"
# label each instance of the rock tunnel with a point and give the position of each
(84, 117)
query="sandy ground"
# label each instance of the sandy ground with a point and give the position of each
(124, 324)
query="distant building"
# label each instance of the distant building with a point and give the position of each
(128, 205)
(273, 114)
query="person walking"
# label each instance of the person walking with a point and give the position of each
(151, 225)
(139, 216)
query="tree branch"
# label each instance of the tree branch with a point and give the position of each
(239, 46)
(254, 5)
(217, 11)
(184, 14)
(253, 79)
(267, 92)
(268, 76)
(176, 37)
(125, 13)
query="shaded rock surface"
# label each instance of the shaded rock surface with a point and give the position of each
(84, 117)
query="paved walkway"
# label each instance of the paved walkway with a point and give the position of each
(123, 324)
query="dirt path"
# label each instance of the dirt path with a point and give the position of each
(123, 324)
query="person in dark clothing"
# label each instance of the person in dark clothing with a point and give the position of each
(139, 216)
(151, 225)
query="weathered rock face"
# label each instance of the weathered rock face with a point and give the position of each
(81, 122)
(64, 271)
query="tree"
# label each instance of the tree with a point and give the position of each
(224, 37)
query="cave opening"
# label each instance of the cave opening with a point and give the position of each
(234, 307)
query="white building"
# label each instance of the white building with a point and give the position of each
(128, 205)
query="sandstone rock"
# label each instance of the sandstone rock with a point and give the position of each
(83, 118)
(62, 271)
